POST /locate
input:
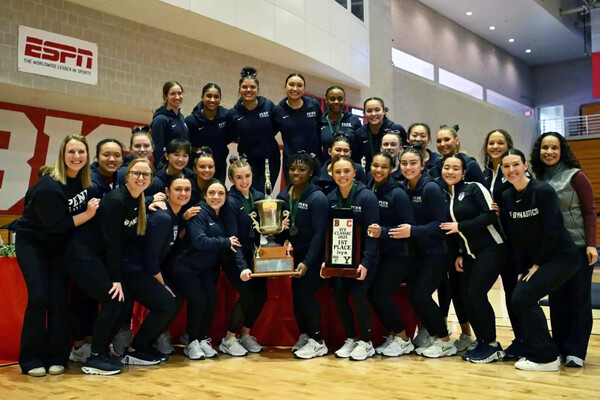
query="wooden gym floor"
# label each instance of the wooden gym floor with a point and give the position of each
(274, 374)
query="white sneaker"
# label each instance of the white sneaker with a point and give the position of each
(574, 361)
(122, 341)
(388, 339)
(232, 347)
(56, 370)
(427, 343)
(528, 365)
(423, 339)
(463, 342)
(302, 341)
(397, 347)
(250, 344)
(362, 351)
(346, 349)
(207, 348)
(312, 349)
(440, 349)
(163, 344)
(81, 354)
(194, 351)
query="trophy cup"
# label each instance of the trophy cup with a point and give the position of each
(271, 259)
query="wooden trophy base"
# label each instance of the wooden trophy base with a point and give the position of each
(273, 261)
(335, 272)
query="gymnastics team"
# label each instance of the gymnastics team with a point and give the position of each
(157, 225)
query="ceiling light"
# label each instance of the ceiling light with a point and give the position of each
(511, 40)
(469, 13)
(492, 28)
(528, 51)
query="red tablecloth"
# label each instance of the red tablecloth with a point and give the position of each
(13, 300)
(276, 325)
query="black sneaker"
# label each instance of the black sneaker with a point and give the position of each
(487, 354)
(470, 353)
(140, 357)
(155, 353)
(101, 364)
(515, 351)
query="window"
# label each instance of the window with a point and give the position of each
(461, 84)
(412, 64)
(508, 104)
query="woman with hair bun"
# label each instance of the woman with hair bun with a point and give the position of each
(370, 134)
(208, 128)
(250, 123)
(168, 122)
(337, 120)
(553, 161)
(296, 117)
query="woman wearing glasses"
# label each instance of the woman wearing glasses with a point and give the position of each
(97, 266)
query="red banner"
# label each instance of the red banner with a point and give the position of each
(30, 137)
(596, 74)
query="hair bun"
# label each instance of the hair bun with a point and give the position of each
(248, 71)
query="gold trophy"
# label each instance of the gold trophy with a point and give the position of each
(271, 259)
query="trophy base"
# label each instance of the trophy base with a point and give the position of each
(334, 272)
(273, 261)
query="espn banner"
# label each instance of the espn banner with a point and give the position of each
(58, 56)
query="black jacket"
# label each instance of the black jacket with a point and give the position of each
(166, 126)
(369, 144)
(348, 124)
(211, 133)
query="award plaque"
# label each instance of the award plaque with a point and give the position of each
(271, 259)
(342, 245)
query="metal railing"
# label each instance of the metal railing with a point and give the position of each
(573, 126)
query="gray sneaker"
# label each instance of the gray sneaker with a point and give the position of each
(207, 348)
(250, 344)
(379, 349)
(302, 340)
(463, 342)
(163, 344)
(81, 354)
(232, 347)
(423, 339)
(122, 341)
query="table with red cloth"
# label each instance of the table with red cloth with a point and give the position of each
(276, 325)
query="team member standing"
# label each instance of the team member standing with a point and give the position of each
(363, 203)
(250, 123)
(308, 209)
(420, 134)
(208, 127)
(496, 143)
(553, 161)
(432, 256)
(340, 147)
(197, 268)
(370, 134)
(396, 259)
(253, 292)
(475, 222)
(337, 120)
(97, 266)
(545, 255)
(168, 122)
(55, 205)
(296, 117)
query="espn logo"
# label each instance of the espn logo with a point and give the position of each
(53, 51)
